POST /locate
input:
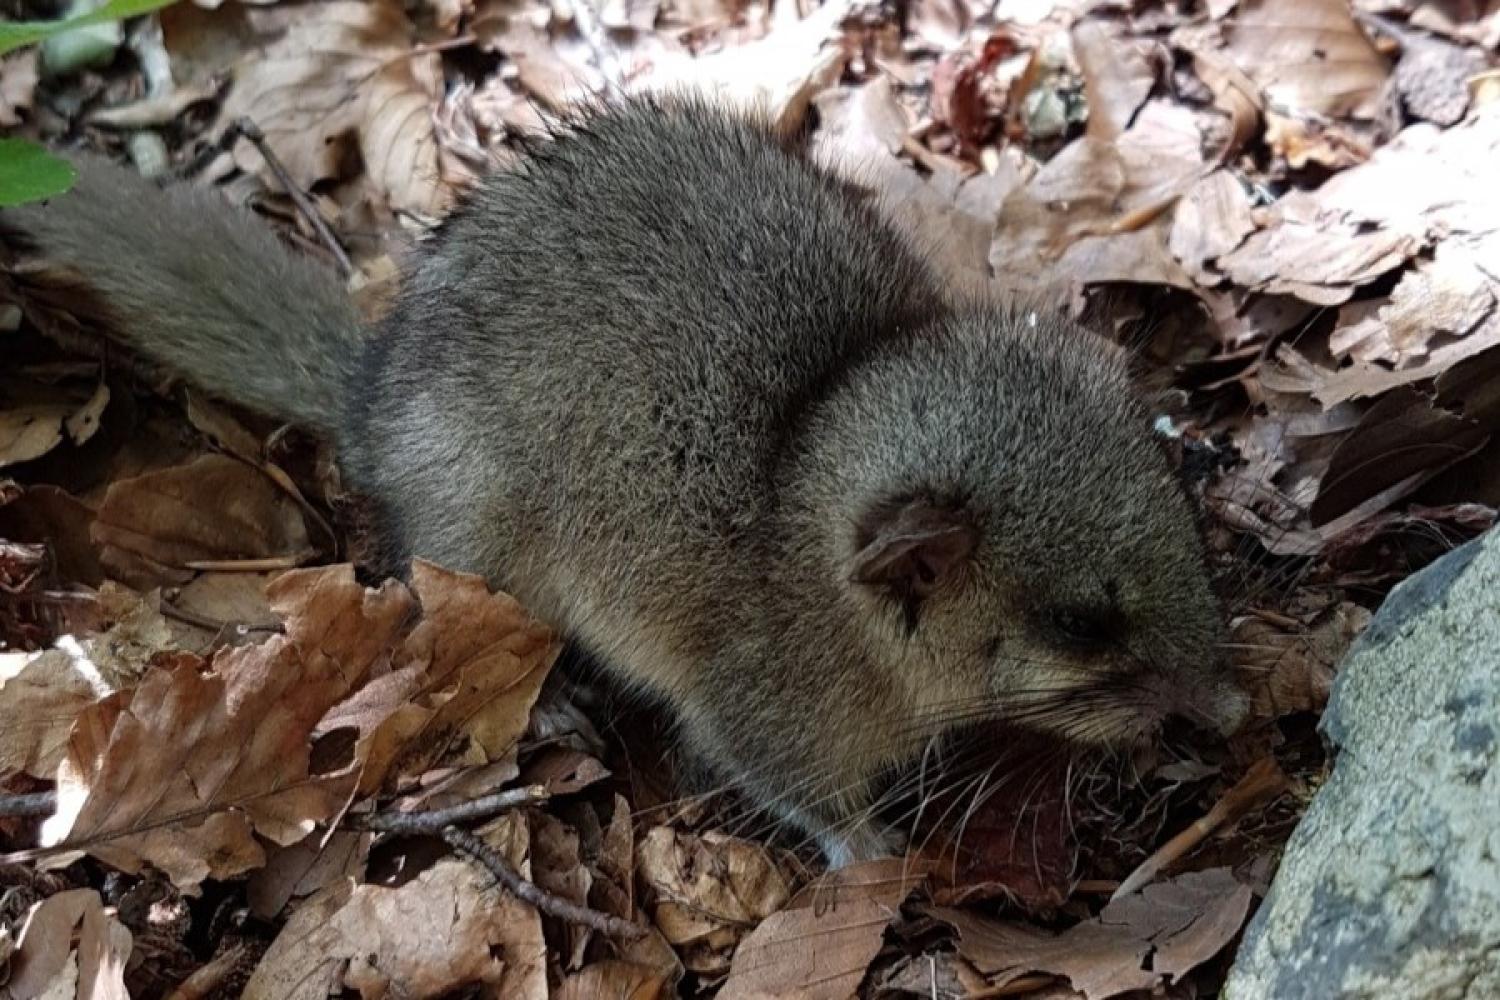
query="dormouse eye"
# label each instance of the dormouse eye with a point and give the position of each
(1081, 627)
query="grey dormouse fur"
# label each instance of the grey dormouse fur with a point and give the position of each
(690, 398)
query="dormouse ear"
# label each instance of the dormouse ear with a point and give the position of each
(912, 547)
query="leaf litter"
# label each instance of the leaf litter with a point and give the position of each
(220, 745)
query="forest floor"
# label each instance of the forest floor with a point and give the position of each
(229, 765)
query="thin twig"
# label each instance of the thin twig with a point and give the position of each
(214, 625)
(212, 976)
(29, 804)
(529, 892)
(251, 131)
(1263, 782)
(267, 565)
(433, 821)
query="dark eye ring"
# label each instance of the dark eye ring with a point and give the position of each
(1084, 629)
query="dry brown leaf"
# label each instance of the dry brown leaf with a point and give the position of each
(708, 892)
(1307, 56)
(469, 674)
(446, 14)
(1450, 294)
(1316, 258)
(181, 770)
(1134, 944)
(150, 527)
(563, 770)
(448, 928)
(347, 70)
(1234, 93)
(70, 947)
(612, 979)
(398, 138)
(860, 128)
(305, 868)
(1210, 222)
(305, 90)
(484, 658)
(54, 517)
(1292, 671)
(30, 431)
(1100, 212)
(1300, 142)
(1118, 77)
(557, 71)
(1432, 77)
(40, 696)
(231, 607)
(1400, 442)
(39, 417)
(845, 913)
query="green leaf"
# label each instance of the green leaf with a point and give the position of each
(14, 34)
(30, 173)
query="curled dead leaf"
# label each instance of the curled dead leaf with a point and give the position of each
(846, 912)
(347, 69)
(449, 927)
(708, 892)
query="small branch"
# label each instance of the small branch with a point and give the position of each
(1263, 782)
(251, 131)
(467, 843)
(29, 804)
(433, 821)
(266, 565)
(208, 979)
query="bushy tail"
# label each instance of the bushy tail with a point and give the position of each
(203, 288)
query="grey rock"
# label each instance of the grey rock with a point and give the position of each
(1390, 887)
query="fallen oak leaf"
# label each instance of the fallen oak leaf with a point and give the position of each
(31, 430)
(40, 696)
(1118, 77)
(778, 75)
(1097, 212)
(467, 674)
(1211, 220)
